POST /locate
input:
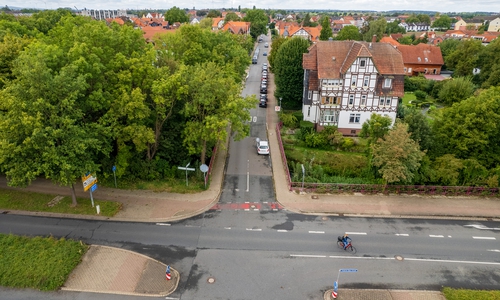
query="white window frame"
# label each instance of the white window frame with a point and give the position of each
(387, 82)
(354, 118)
(366, 81)
(330, 116)
(363, 100)
(362, 63)
(388, 101)
(381, 101)
(351, 99)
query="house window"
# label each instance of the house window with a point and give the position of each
(336, 100)
(381, 103)
(362, 63)
(419, 59)
(434, 71)
(363, 100)
(353, 81)
(309, 111)
(409, 70)
(351, 99)
(406, 70)
(330, 116)
(387, 83)
(388, 102)
(425, 70)
(354, 118)
(366, 81)
(309, 95)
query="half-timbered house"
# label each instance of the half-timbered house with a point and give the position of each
(346, 81)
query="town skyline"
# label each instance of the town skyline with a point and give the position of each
(457, 6)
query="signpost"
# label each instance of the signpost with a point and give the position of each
(114, 173)
(204, 169)
(187, 169)
(336, 283)
(89, 182)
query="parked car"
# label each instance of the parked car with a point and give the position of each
(263, 97)
(266, 45)
(262, 147)
(264, 68)
(264, 76)
(264, 54)
(262, 103)
(263, 88)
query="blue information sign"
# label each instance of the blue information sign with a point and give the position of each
(93, 188)
(348, 270)
(114, 168)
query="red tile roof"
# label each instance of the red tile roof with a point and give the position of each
(421, 54)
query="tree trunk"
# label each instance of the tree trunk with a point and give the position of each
(203, 151)
(73, 196)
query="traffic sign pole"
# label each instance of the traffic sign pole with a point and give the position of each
(336, 283)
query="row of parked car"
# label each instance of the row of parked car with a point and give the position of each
(263, 86)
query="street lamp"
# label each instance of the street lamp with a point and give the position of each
(280, 103)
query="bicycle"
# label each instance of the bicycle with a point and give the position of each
(349, 247)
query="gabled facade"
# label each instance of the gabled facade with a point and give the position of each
(494, 25)
(237, 27)
(346, 81)
(414, 26)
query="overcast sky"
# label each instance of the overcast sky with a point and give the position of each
(380, 5)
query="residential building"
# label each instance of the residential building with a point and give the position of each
(494, 25)
(346, 81)
(237, 27)
(421, 59)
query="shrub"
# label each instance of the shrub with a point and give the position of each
(421, 95)
(316, 140)
(289, 120)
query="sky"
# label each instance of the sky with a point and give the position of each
(380, 5)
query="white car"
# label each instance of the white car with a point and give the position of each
(262, 147)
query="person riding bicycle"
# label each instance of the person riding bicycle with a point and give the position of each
(346, 240)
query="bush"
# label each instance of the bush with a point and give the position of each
(316, 140)
(421, 95)
(289, 120)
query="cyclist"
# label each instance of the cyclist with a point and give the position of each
(346, 239)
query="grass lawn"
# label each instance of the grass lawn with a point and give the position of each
(195, 184)
(459, 294)
(38, 263)
(29, 201)
(408, 97)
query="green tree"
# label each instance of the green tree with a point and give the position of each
(456, 89)
(214, 103)
(350, 33)
(289, 73)
(412, 19)
(397, 156)
(423, 18)
(489, 62)
(326, 31)
(469, 129)
(307, 20)
(176, 14)
(10, 48)
(206, 23)
(214, 14)
(231, 16)
(375, 128)
(258, 20)
(275, 46)
(442, 23)
(418, 127)
(465, 58)
(375, 28)
(393, 27)
(446, 169)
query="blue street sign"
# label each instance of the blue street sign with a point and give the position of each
(114, 168)
(348, 270)
(93, 188)
(335, 286)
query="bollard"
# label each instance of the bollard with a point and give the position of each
(98, 208)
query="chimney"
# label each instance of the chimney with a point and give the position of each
(374, 38)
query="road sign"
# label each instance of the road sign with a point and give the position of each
(88, 181)
(203, 168)
(348, 270)
(113, 168)
(93, 188)
(277, 108)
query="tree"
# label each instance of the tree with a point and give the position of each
(375, 128)
(456, 89)
(206, 23)
(469, 129)
(418, 127)
(231, 16)
(307, 20)
(489, 62)
(10, 48)
(275, 46)
(393, 27)
(214, 14)
(447, 169)
(176, 14)
(349, 33)
(442, 23)
(465, 58)
(423, 18)
(214, 103)
(397, 156)
(289, 73)
(326, 31)
(258, 20)
(375, 28)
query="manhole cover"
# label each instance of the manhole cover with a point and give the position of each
(211, 280)
(324, 218)
(252, 206)
(399, 257)
(315, 197)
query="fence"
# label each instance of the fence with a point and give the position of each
(380, 188)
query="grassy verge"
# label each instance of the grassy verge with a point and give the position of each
(459, 294)
(196, 184)
(38, 263)
(29, 201)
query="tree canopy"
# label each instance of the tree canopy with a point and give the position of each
(349, 33)
(176, 14)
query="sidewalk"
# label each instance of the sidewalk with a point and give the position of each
(123, 272)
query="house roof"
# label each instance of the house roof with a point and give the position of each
(150, 31)
(423, 54)
(237, 27)
(389, 40)
(333, 58)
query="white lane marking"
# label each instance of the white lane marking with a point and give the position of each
(494, 250)
(247, 202)
(484, 238)
(449, 236)
(282, 230)
(436, 236)
(247, 209)
(481, 227)
(316, 231)
(170, 298)
(305, 255)
(163, 224)
(402, 234)
(356, 233)
(405, 259)
(255, 209)
(227, 227)
(254, 229)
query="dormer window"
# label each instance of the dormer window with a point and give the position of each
(387, 83)
(362, 63)
(419, 59)
(426, 59)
